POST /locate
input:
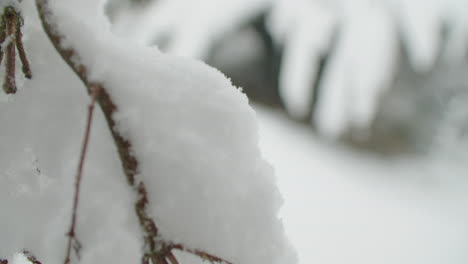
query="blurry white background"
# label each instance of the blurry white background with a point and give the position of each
(362, 111)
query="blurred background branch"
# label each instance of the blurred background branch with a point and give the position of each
(377, 75)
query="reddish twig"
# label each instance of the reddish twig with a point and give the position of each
(71, 233)
(172, 258)
(31, 257)
(20, 47)
(9, 84)
(10, 32)
(202, 254)
(2, 37)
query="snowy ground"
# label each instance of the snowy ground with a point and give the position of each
(343, 207)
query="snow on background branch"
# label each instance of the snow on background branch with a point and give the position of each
(366, 36)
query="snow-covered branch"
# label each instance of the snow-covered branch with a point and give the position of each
(174, 163)
(185, 142)
(158, 250)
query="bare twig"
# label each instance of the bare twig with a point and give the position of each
(21, 53)
(31, 257)
(11, 37)
(9, 84)
(172, 258)
(2, 37)
(71, 233)
(202, 254)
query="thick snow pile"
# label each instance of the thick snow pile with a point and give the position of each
(192, 132)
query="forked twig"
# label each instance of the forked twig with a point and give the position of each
(10, 37)
(21, 53)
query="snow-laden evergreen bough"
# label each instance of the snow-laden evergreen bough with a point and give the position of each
(179, 170)
(362, 41)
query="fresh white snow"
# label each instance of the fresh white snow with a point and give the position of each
(358, 71)
(342, 206)
(196, 138)
(12, 3)
(193, 133)
(304, 29)
(363, 63)
(20, 259)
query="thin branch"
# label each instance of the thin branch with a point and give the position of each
(146, 222)
(2, 39)
(11, 37)
(21, 53)
(172, 258)
(31, 257)
(9, 84)
(202, 254)
(71, 233)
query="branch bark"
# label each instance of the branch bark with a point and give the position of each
(11, 37)
(9, 84)
(31, 257)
